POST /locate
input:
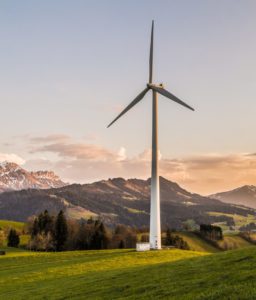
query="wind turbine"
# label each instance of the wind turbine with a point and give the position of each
(155, 224)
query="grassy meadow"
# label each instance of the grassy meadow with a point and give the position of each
(203, 272)
(126, 274)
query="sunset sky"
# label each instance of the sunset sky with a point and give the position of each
(67, 68)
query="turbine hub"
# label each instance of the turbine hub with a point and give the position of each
(150, 85)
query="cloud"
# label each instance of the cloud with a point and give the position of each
(211, 173)
(11, 157)
(83, 162)
(50, 138)
(77, 151)
(122, 154)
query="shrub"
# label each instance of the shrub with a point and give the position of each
(175, 240)
(42, 242)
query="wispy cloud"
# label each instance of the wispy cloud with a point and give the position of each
(77, 151)
(50, 138)
(84, 162)
(213, 172)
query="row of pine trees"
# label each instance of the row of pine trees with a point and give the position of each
(56, 233)
(50, 233)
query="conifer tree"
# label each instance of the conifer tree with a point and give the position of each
(100, 239)
(169, 238)
(35, 228)
(13, 238)
(61, 231)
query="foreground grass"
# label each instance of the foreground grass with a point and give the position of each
(125, 274)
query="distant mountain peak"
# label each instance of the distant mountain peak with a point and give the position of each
(244, 195)
(14, 177)
(9, 165)
(248, 187)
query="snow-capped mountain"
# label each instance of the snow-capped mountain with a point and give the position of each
(13, 177)
(245, 195)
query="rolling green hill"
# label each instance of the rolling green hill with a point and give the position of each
(5, 225)
(231, 242)
(118, 274)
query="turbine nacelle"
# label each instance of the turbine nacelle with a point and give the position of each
(152, 85)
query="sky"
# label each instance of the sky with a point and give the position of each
(67, 68)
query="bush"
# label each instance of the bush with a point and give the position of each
(124, 236)
(42, 242)
(175, 240)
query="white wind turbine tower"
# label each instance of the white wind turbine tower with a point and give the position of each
(155, 224)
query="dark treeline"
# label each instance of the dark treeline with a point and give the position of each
(56, 233)
(50, 233)
(211, 232)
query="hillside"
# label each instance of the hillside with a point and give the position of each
(196, 243)
(6, 225)
(245, 195)
(119, 201)
(231, 242)
(178, 274)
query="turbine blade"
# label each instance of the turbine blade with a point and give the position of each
(134, 102)
(151, 54)
(167, 94)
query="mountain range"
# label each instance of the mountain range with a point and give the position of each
(14, 177)
(24, 194)
(114, 200)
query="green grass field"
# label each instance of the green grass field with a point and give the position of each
(5, 225)
(126, 274)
